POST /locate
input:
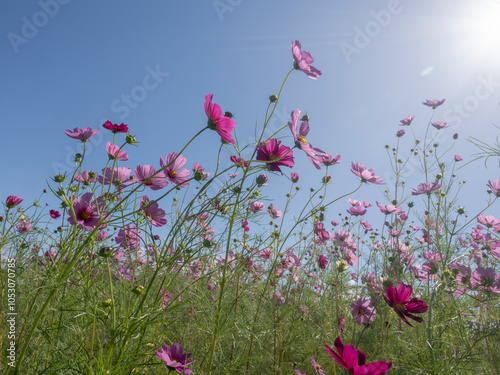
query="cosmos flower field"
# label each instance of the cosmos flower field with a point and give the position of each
(175, 267)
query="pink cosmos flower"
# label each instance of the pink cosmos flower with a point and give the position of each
(484, 278)
(439, 125)
(114, 152)
(153, 212)
(319, 370)
(23, 227)
(458, 158)
(406, 121)
(312, 153)
(295, 177)
(494, 186)
(275, 155)
(175, 358)
(54, 214)
(399, 299)
(362, 311)
(327, 159)
(365, 175)
(366, 204)
(354, 360)
(265, 254)
(298, 372)
(390, 209)
(87, 177)
(239, 161)
(120, 177)
(12, 201)
(83, 135)
(302, 61)
(86, 212)
(426, 188)
(115, 128)
(354, 202)
(128, 236)
(274, 212)
(256, 206)
(173, 172)
(321, 232)
(146, 175)
(322, 261)
(217, 121)
(367, 227)
(356, 211)
(433, 103)
(488, 221)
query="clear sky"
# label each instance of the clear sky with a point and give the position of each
(70, 63)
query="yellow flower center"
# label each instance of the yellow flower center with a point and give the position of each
(361, 311)
(273, 157)
(302, 139)
(172, 174)
(148, 182)
(85, 215)
(149, 214)
(400, 307)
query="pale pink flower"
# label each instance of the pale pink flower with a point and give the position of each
(302, 61)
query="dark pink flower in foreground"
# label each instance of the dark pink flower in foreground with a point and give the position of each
(86, 212)
(439, 125)
(366, 175)
(23, 227)
(458, 158)
(426, 188)
(322, 261)
(433, 103)
(302, 60)
(114, 152)
(362, 311)
(173, 171)
(82, 134)
(13, 201)
(314, 154)
(274, 154)
(217, 121)
(147, 175)
(115, 128)
(406, 121)
(54, 214)
(354, 360)
(175, 358)
(494, 186)
(153, 212)
(399, 299)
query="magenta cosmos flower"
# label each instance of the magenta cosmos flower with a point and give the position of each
(173, 171)
(399, 299)
(314, 154)
(433, 103)
(274, 212)
(217, 121)
(13, 201)
(86, 212)
(256, 206)
(354, 360)
(458, 158)
(302, 60)
(82, 134)
(327, 159)
(115, 128)
(426, 188)
(114, 152)
(406, 121)
(175, 358)
(153, 212)
(494, 186)
(54, 214)
(274, 154)
(129, 237)
(362, 311)
(366, 175)
(146, 175)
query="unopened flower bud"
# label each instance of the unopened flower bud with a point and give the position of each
(455, 136)
(78, 157)
(228, 114)
(130, 139)
(106, 252)
(138, 290)
(273, 98)
(305, 118)
(59, 178)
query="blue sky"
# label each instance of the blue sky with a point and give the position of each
(70, 63)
